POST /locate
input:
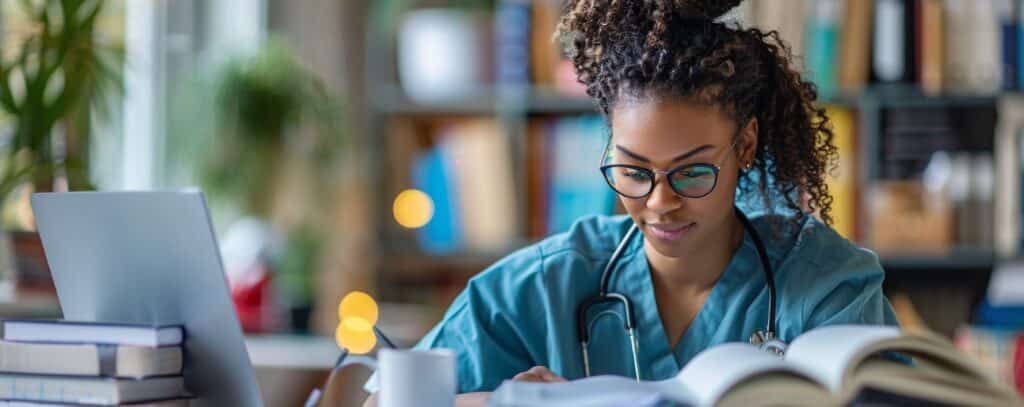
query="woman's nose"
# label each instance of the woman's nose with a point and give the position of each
(663, 199)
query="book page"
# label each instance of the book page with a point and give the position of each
(826, 352)
(714, 371)
(594, 391)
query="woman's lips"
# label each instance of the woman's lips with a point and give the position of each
(670, 231)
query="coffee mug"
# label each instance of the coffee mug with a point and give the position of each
(416, 377)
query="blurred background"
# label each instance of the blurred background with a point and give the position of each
(401, 146)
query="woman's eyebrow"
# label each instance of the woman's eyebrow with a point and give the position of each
(678, 158)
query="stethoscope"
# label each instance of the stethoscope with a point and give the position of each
(766, 339)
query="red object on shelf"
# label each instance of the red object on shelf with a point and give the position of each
(1018, 364)
(251, 295)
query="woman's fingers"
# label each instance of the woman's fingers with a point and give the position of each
(526, 377)
(538, 374)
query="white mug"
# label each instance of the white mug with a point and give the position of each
(416, 377)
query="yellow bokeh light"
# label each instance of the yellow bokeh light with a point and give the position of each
(356, 324)
(413, 208)
(358, 304)
(356, 335)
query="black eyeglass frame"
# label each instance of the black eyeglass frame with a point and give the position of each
(668, 174)
(652, 174)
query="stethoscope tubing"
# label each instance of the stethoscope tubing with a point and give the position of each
(604, 295)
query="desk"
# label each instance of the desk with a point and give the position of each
(292, 352)
(288, 367)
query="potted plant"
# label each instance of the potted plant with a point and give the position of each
(57, 73)
(54, 71)
(263, 100)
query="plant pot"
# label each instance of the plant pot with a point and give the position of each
(24, 261)
(443, 54)
(299, 316)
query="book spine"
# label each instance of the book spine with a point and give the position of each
(43, 389)
(822, 38)
(439, 235)
(1019, 24)
(1008, 24)
(889, 61)
(513, 42)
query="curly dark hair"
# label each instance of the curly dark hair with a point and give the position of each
(678, 49)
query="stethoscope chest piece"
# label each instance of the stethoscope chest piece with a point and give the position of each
(767, 342)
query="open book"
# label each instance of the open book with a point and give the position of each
(828, 366)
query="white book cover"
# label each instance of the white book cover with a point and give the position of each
(49, 331)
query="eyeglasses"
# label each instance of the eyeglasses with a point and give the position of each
(690, 181)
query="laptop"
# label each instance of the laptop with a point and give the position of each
(150, 258)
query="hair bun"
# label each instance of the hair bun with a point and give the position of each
(706, 9)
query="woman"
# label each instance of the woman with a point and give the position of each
(704, 117)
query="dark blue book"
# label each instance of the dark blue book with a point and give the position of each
(512, 42)
(1010, 59)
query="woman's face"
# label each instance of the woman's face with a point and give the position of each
(664, 135)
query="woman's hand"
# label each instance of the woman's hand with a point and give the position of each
(539, 374)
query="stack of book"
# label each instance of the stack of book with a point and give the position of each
(63, 363)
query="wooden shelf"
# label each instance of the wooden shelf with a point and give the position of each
(910, 96)
(488, 101)
(420, 268)
(957, 259)
(963, 267)
(540, 100)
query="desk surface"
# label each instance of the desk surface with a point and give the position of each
(292, 351)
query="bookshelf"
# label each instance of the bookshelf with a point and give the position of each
(517, 108)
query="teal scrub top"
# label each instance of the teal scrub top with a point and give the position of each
(521, 311)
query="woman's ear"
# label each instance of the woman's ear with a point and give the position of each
(748, 144)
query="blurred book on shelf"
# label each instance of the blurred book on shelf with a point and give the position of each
(931, 46)
(433, 174)
(906, 217)
(822, 46)
(550, 68)
(468, 176)
(1009, 177)
(842, 182)
(998, 351)
(512, 32)
(935, 190)
(575, 186)
(855, 40)
(846, 45)
(996, 336)
(906, 313)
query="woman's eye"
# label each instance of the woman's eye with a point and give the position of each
(694, 173)
(635, 175)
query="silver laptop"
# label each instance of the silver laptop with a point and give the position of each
(151, 258)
